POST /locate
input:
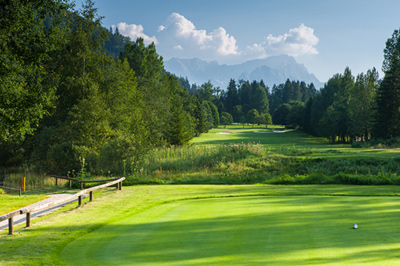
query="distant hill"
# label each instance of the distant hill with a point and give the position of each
(272, 70)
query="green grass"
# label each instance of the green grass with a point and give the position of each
(13, 202)
(244, 157)
(291, 230)
(296, 142)
(374, 208)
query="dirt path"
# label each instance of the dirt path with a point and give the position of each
(20, 219)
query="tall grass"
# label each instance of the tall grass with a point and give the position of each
(33, 180)
(193, 164)
(255, 163)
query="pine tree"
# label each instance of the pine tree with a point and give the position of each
(387, 121)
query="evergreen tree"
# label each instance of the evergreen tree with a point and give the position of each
(260, 100)
(231, 99)
(362, 104)
(387, 121)
(246, 98)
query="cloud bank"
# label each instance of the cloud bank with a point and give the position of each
(179, 37)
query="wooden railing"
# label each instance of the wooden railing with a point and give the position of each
(28, 211)
(81, 181)
(11, 188)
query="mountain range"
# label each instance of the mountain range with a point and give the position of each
(272, 70)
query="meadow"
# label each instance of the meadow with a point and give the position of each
(219, 219)
(237, 155)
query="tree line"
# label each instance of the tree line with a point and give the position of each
(347, 109)
(65, 97)
(71, 89)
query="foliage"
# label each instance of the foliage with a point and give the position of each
(387, 119)
(100, 102)
(28, 75)
(281, 114)
(226, 119)
(252, 116)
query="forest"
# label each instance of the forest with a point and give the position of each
(73, 93)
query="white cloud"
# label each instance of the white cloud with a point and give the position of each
(255, 51)
(181, 34)
(161, 28)
(299, 41)
(179, 37)
(134, 31)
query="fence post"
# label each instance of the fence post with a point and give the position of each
(11, 225)
(56, 181)
(70, 184)
(28, 219)
(79, 201)
(81, 185)
(91, 196)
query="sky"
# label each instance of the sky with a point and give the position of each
(325, 35)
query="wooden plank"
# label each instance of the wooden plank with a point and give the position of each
(9, 215)
(90, 195)
(85, 181)
(64, 177)
(100, 186)
(98, 181)
(47, 205)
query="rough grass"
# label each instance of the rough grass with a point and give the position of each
(43, 243)
(244, 157)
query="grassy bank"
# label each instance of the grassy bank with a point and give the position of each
(242, 156)
(279, 157)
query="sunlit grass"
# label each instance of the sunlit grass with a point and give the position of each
(291, 140)
(42, 244)
(291, 230)
(13, 202)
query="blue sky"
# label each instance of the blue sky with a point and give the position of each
(324, 35)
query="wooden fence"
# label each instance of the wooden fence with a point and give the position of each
(10, 188)
(28, 211)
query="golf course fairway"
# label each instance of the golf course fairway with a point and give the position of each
(272, 230)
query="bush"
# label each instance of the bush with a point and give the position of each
(377, 143)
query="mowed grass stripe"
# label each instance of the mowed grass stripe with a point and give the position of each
(291, 230)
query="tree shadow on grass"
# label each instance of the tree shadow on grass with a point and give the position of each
(276, 230)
